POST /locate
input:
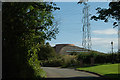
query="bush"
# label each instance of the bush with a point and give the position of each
(113, 58)
(74, 60)
(69, 60)
(35, 63)
(60, 60)
(73, 53)
(99, 58)
(86, 57)
(46, 52)
(52, 62)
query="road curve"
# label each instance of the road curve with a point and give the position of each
(71, 74)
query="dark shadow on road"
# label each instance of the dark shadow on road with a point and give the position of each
(113, 76)
(77, 78)
(68, 78)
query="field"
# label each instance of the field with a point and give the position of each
(109, 70)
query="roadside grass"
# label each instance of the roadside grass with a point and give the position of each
(109, 70)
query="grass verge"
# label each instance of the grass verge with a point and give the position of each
(109, 70)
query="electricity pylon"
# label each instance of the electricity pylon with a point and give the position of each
(86, 40)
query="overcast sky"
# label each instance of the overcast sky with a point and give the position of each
(69, 18)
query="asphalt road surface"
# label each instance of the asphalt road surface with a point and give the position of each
(54, 73)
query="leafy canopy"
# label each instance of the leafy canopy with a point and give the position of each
(25, 26)
(112, 12)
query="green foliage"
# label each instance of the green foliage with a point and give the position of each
(25, 26)
(112, 12)
(112, 58)
(85, 56)
(69, 61)
(82, 55)
(60, 61)
(101, 58)
(98, 57)
(109, 70)
(73, 53)
(53, 62)
(34, 62)
(93, 54)
(75, 60)
(46, 52)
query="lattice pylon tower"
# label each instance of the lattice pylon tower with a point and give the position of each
(86, 39)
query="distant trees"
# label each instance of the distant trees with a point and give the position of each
(26, 25)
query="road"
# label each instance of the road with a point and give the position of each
(54, 73)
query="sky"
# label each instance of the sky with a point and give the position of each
(69, 19)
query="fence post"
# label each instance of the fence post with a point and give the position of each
(92, 61)
(119, 36)
(81, 63)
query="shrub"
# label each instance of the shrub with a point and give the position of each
(52, 62)
(35, 63)
(60, 60)
(46, 52)
(69, 60)
(73, 53)
(85, 57)
(99, 57)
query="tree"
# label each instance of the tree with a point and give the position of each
(104, 14)
(25, 26)
(112, 12)
(46, 52)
